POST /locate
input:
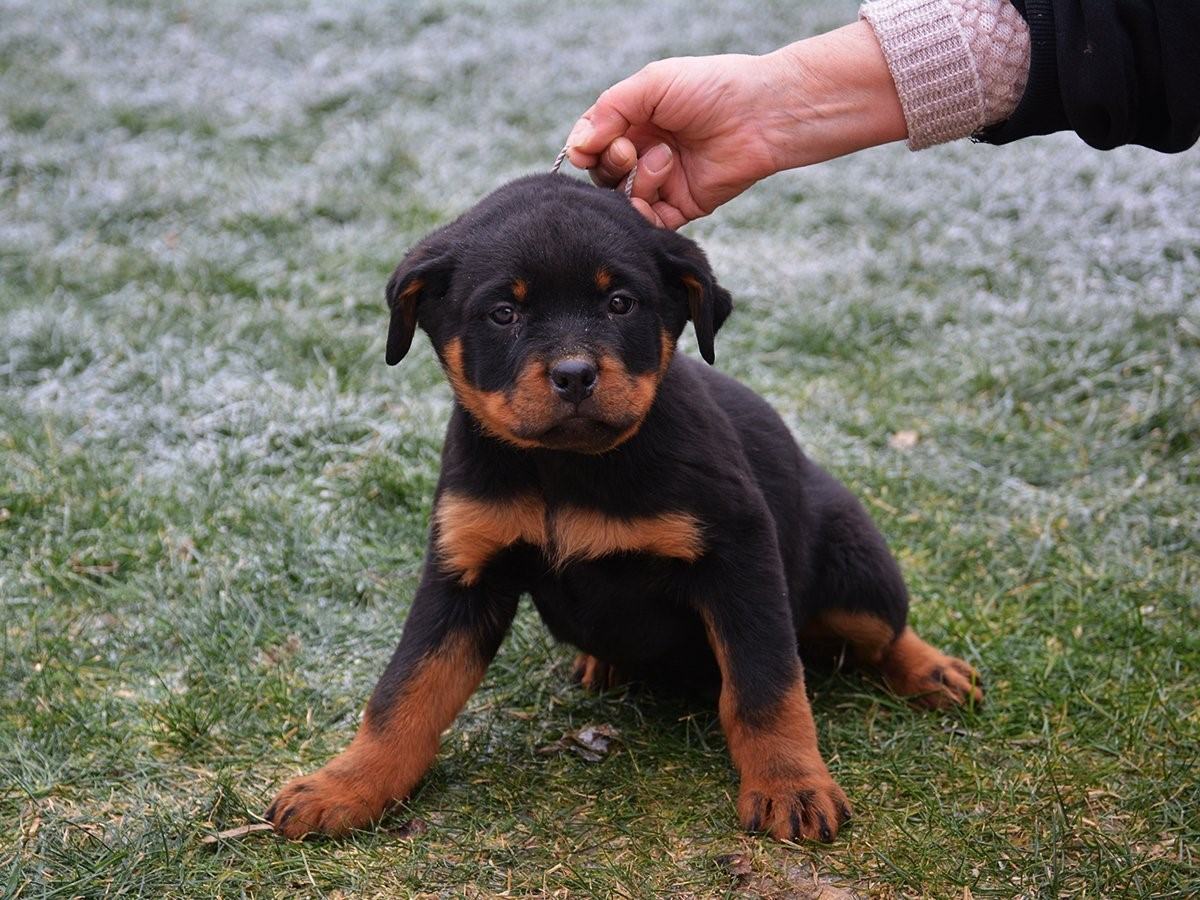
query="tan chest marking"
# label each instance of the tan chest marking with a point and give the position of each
(587, 534)
(471, 532)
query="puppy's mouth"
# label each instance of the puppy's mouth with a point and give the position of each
(579, 429)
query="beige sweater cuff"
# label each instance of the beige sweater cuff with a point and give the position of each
(958, 65)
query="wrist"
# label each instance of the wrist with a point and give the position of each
(958, 65)
(836, 96)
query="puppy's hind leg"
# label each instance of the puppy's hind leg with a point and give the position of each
(864, 605)
(912, 668)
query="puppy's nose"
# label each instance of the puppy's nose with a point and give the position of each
(573, 378)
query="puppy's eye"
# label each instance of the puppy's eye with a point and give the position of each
(503, 315)
(620, 304)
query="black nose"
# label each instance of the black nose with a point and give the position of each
(573, 378)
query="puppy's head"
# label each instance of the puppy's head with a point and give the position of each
(554, 309)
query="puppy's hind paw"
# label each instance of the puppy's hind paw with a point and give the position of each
(595, 674)
(927, 677)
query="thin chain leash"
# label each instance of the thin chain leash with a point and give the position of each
(562, 154)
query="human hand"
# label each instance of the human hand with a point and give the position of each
(704, 129)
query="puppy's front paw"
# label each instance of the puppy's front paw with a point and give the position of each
(811, 807)
(324, 803)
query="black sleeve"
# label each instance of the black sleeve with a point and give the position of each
(1113, 71)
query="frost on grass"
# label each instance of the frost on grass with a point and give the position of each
(200, 205)
(263, 165)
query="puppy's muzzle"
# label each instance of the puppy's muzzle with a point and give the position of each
(573, 378)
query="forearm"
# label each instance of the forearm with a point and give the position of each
(836, 95)
(930, 71)
(709, 127)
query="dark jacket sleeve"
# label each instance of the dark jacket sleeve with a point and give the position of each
(1113, 71)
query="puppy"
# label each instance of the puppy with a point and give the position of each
(659, 514)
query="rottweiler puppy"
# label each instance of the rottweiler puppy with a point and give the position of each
(659, 514)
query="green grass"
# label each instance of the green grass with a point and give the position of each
(214, 494)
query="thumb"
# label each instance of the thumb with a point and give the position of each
(629, 102)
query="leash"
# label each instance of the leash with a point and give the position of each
(562, 154)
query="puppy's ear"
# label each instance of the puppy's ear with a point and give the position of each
(423, 274)
(688, 275)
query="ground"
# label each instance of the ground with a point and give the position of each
(214, 494)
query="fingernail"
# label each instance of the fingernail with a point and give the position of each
(657, 158)
(580, 133)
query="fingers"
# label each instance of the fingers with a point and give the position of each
(661, 214)
(648, 212)
(585, 134)
(669, 216)
(614, 163)
(600, 143)
(629, 102)
(653, 169)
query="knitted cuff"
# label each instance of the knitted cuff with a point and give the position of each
(999, 39)
(958, 65)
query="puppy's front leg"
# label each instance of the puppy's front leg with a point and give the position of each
(786, 789)
(450, 637)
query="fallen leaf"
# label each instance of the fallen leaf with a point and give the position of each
(903, 440)
(411, 828)
(233, 833)
(827, 891)
(736, 864)
(591, 742)
(596, 738)
(95, 570)
(956, 731)
(274, 655)
(1026, 741)
(789, 882)
(31, 828)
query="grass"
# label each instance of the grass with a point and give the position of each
(214, 495)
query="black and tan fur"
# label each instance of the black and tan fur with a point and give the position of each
(659, 514)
